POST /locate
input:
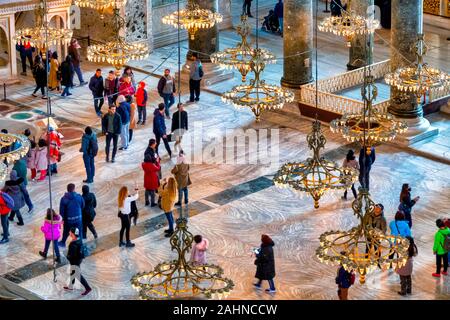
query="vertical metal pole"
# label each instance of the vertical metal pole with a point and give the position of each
(326, 6)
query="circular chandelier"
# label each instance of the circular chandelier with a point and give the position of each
(419, 78)
(370, 126)
(179, 279)
(315, 175)
(363, 248)
(258, 96)
(42, 35)
(193, 18)
(118, 51)
(240, 57)
(100, 5)
(22, 145)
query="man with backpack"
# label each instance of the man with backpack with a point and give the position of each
(441, 248)
(89, 147)
(344, 280)
(195, 77)
(70, 209)
(75, 254)
(6, 205)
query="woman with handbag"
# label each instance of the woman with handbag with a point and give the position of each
(168, 193)
(124, 201)
(181, 173)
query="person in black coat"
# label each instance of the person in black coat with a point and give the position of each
(111, 127)
(406, 203)
(26, 52)
(179, 125)
(40, 76)
(336, 8)
(90, 203)
(152, 154)
(75, 256)
(96, 85)
(67, 71)
(366, 160)
(265, 263)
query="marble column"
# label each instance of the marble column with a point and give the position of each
(139, 21)
(406, 23)
(206, 41)
(361, 50)
(297, 38)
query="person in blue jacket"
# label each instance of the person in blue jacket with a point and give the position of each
(89, 147)
(70, 209)
(97, 88)
(400, 227)
(159, 128)
(366, 160)
(124, 110)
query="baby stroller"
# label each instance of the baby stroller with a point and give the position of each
(270, 23)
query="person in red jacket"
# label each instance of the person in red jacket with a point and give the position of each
(126, 87)
(54, 140)
(151, 168)
(141, 101)
(4, 212)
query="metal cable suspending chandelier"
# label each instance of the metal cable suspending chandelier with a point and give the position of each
(369, 126)
(118, 51)
(21, 144)
(363, 248)
(349, 24)
(179, 278)
(419, 78)
(240, 57)
(42, 34)
(193, 18)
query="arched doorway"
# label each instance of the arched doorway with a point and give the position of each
(57, 22)
(4, 54)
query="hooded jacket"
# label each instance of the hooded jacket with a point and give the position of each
(181, 173)
(198, 253)
(151, 179)
(40, 158)
(167, 201)
(141, 95)
(16, 190)
(70, 208)
(52, 230)
(85, 143)
(124, 111)
(439, 239)
(159, 126)
(126, 88)
(20, 166)
(265, 262)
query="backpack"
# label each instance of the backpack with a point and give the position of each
(84, 252)
(9, 202)
(93, 148)
(446, 244)
(200, 71)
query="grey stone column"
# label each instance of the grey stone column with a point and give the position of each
(297, 38)
(207, 40)
(138, 17)
(361, 50)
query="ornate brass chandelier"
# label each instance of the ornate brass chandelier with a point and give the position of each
(363, 248)
(420, 78)
(118, 51)
(258, 96)
(42, 35)
(100, 5)
(193, 18)
(315, 175)
(349, 24)
(180, 279)
(22, 145)
(369, 126)
(240, 57)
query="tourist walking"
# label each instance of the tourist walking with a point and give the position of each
(399, 227)
(53, 139)
(405, 272)
(124, 202)
(406, 203)
(132, 120)
(198, 253)
(124, 110)
(6, 205)
(168, 193)
(351, 163)
(31, 159)
(141, 101)
(88, 213)
(159, 128)
(344, 280)
(195, 77)
(366, 160)
(40, 77)
(40, 161)
(111, 87)
(179, 126)
(16, 190)
(20, 166)
(181, 173)
(96, 85)
(75, 255)
(74, 52)
(55, 73)
(89, 148)
(278, 10)
(166, 89)
(246, 8)
(112, 128)
(52, 231)
(441, 247)
(67, 72)
(26, 52)
(70, 209)
(151, 169)
(265, 263)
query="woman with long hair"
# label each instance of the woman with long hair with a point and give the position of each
(406, 203)
(350, 162)
(124, 201)
(40, 76)
(405, 272)
(168, 192)
(54, 79)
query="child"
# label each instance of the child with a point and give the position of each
(52, 232)
(198, 253)
(31, 159)
(141, 101)
(405, 272)
(41, 161)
